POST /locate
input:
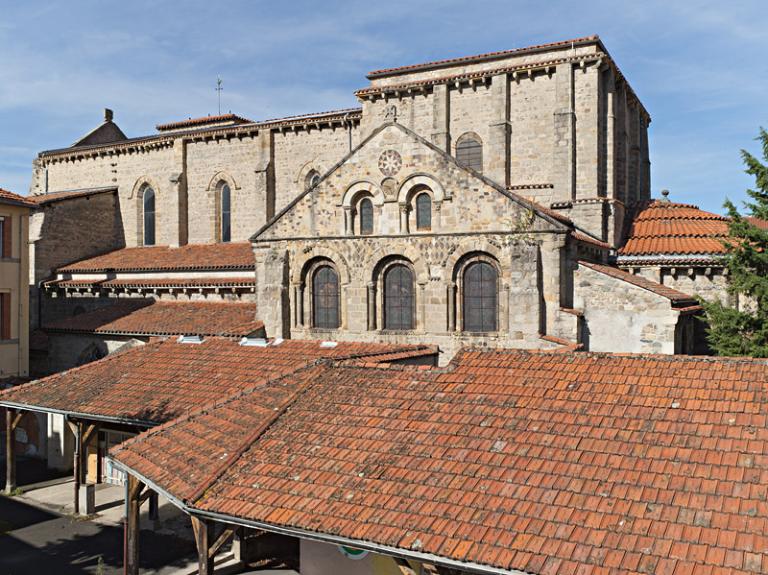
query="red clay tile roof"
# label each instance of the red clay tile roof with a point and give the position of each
(677, 298)
(670, 229)
(590, 240)
(156, 283)
(151, 318)
(762, 224)
(51, 197)
(193, 122)
(10, 198)
(161, 380)
(544, 463)
(225, 256)
(479, 57)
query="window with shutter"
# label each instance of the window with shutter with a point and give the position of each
(5, 316)
(6, 238)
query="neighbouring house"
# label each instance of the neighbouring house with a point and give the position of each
(14, 314)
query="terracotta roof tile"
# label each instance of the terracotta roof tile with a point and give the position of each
(678, 298)
(224, 256)
(205, 120)
(670, 229)
(156, 283)
(592, 463)
(161, 380)
(51, 197)
(150, 317)
(7, 197)
(479, 57)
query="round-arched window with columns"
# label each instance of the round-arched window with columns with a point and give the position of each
(148, 216)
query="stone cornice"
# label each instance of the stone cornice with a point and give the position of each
(480, 77)
(309, 121)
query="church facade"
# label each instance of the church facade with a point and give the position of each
(472, 201)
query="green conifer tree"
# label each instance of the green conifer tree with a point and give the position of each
(744, 331)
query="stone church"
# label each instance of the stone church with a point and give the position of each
(473, 201)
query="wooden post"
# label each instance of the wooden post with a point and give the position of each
(133, 505)
(77, 431)
(12, 419)
(203, 534)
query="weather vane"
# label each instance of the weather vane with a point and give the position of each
(219, 89)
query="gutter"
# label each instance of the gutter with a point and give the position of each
(79, 415)
(323, 537)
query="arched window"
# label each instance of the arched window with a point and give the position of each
(149, 216)
(325, 298)
(479, 303)
(365, 213)
(312, 179)
(226, 213)
(398, 298)
(469, 152)
(423, 211)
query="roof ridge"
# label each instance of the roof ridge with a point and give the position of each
(252, 437)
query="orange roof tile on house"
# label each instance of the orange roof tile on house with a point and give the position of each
(10, 198)
(672, 232)
(155, 318)
(161, 380)
(762, 224)
(51, 197)
(542, 463)
(678, 298)
(223, 256)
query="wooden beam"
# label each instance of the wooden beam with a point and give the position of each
(404, 567)
(10, 456)
(89, 432)
(133, 494)
(225, 536)
(203, 534)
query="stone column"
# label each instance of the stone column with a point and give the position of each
(404, 218)
(348, 231)
(371, 306)
(503, 304)
(177, 215)
(436, 216)
(451, 307)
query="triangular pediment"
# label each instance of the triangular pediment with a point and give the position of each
(389, 166)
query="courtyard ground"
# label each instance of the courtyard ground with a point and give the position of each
(38, 534)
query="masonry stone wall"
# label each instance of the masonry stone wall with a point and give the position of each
(621, 317)
(66, 351)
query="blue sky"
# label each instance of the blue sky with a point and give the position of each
(700, 67)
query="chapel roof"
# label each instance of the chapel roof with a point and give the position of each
(218, 120)
(219, 256)
(159, 381)
(678, 298)
(677, 232)
(148, 317)
(482, 57)
(506, 460)
(50, 197)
